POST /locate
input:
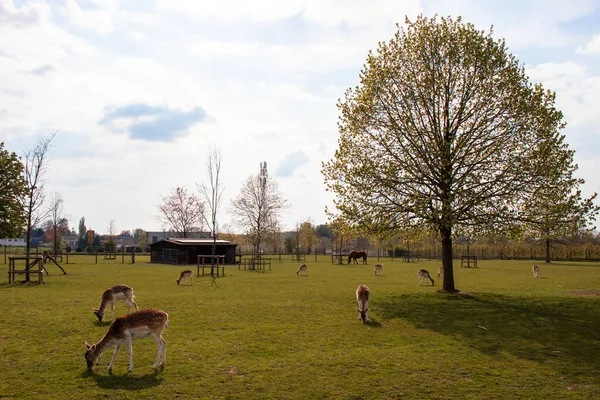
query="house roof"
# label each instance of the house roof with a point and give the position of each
(193, 241)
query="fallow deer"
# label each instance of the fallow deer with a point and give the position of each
(424, 274)
(302, 268)
(378, 269)
(440, 272)
(536, 271)
(185, 275)
(111, 295)
(362, 297)
(124, 329)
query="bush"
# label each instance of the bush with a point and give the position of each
(89, 249)
(79, 249)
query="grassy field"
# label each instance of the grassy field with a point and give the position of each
(276, 335)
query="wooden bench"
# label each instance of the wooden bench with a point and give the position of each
(220, 266)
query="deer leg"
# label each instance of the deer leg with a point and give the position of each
(113, 310)
(112, 361)
(130, 351)
(159, 353)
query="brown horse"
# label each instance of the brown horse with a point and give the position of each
(356, 255)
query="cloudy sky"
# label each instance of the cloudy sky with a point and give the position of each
(138, 89)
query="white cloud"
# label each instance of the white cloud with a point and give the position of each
(591, 47)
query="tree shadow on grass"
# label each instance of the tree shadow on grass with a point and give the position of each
(125, 382)
(562, 332)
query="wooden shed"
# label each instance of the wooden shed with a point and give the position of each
(186, 251)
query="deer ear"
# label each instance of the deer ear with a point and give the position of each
(87, 345)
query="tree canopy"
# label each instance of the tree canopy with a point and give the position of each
(12, 188)
(181, 212)
(444, 132)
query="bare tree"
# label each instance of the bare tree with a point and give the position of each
(111, 244)
(181, 212)
(35, 168)
(212, 195)
(57, 222)
(258, 207)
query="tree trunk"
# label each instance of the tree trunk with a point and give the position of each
(448, 284)
(547, 250)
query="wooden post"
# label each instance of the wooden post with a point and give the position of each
(96, 257)
(133, 255)
(122, 254)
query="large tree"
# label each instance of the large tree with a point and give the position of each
(212, 194)
(258, 207)
(181, 212)
(12, 188)
(36, 165)
(440, 134)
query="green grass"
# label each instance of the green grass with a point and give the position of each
(277, 335)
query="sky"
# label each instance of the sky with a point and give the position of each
(138, 90)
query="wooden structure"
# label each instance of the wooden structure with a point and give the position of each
(298, 257)
(30, 262)
(339, 258)
(255, 264)
(110, 255)
(220, 264)
(468, 261)
(48, 257)
(186, 251)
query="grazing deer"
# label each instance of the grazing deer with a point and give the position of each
(536, 271)
(440, 272)
(424, 274)
(378, 269)
(185, 275)
(302, 268)
(111, 295)
(124, 329)
(362, 297)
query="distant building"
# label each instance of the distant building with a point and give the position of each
(186, 251)
(70, 241)
(13, 242)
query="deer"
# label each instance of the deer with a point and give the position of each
(302, 268)
(378, 269)
(536, 271)
(362, 297)
(440, 272)
(123, 330)
(111, 295)
(424, 274)
(184, 276)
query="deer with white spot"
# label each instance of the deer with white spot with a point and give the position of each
(124, 329)
(378, 269)
(187, 274)
(111, 295)
(536, 271)
(424, 274)
(362, 297)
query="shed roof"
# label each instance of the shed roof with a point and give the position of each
(193, 241)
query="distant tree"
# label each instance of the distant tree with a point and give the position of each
(555, 208)
(451, 125)
(212, 194)
(12, 187)
(82, 241)
(289, 244)
(258, 207)
(141, 238)
(35, 169)
(323, 231)
(181, 212)
(111, 242)
(57, 224)
(308, 236)
(125, 234)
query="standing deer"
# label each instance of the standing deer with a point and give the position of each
(424, 274)
(111, 295)
(302, 268)
(378, 269)
(184, 276)
(362, 297)
(124, 329)
(440, 271)
(536, 271)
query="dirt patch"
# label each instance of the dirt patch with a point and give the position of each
(585, 293)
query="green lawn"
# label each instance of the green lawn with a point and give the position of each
(277, 335)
